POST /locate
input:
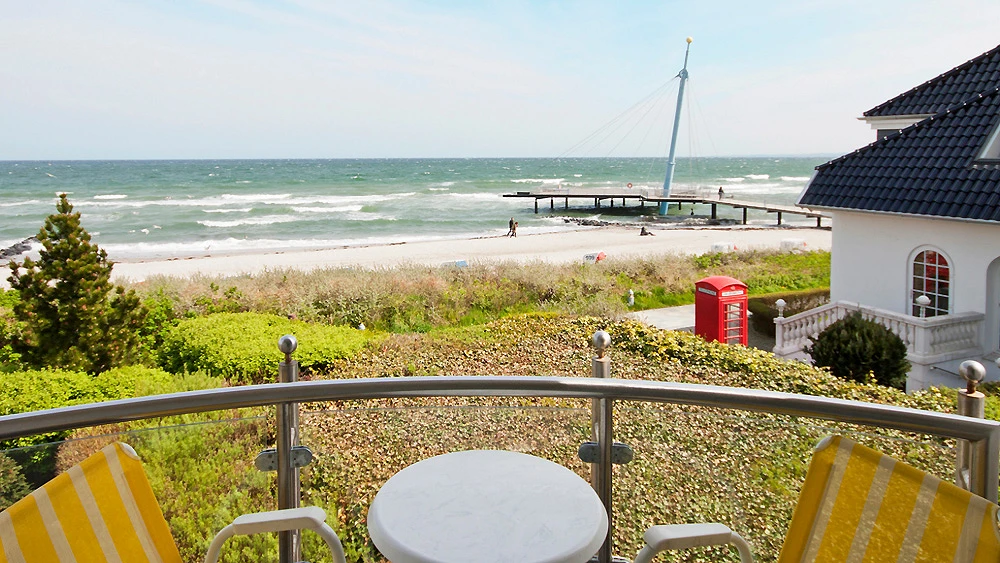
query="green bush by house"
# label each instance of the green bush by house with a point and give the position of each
(856, 348)
(243, 347)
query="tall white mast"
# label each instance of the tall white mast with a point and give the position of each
(671, 162)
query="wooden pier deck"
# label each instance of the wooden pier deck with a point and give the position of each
(650, 196)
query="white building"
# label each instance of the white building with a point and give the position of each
(916, 218)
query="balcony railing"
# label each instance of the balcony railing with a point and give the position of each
(698, 407)
(928, 341)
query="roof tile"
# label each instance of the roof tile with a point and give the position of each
(949, 89)
(930, 168)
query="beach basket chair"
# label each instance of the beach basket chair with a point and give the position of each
(103, 509)
(857, 504)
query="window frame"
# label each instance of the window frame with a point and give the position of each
(925, 268)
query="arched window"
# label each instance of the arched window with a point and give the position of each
(931, 277)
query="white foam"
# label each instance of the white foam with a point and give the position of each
(239, 210)
(268, 220)
(362, 216)
(476, 196)
(340, 209)
(734, 180)
(546, 181)
(111, 196)
(759, 176)
(262, 199)
(20, 203)
(795, 178)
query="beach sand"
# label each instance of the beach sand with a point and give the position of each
(562, 247)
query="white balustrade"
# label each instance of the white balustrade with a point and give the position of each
(930, 340)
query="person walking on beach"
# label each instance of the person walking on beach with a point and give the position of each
(513, 230)
(510, 228)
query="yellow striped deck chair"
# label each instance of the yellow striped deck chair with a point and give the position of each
(858, 505)
(100, 510)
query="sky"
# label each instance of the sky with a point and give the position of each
(173, 79)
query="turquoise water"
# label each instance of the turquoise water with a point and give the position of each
(149, 209)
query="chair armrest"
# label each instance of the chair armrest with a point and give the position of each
(306, 518)
(684, 536)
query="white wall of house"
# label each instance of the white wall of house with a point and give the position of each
(870, 262)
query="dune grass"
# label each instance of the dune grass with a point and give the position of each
(418, 299)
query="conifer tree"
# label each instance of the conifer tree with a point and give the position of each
(73, 316)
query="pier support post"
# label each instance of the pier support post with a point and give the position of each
(567, 202)
(536, 206)
(714, 215)
(552, 203)
(744, 215)
(779, 217)
(612, 203)
(819, 221)
(597, 203)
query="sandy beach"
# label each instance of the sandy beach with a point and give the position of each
(561, 247)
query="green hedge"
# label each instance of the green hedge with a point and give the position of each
(33, 390)
(243, 347)
(763, 311)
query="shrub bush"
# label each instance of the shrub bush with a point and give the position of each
(33, 390)
(13, 487)
(855, 348)
(764, 311)
(243, 347)
(10, 330)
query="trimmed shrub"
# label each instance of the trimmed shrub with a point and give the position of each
(25, 391)
(763, 311)
(856, 349)
(243, 347)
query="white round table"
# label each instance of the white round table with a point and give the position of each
(487, 506)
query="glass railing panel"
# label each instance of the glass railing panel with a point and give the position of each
(199, 466)
(358, 449)
(691, 464)
(745, 470)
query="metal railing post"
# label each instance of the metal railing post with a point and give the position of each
(971, 460)
(289, 548)
(602, 432)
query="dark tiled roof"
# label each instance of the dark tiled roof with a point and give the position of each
(926, 169)
(981, 74)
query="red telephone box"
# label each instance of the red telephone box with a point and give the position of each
(720, 310)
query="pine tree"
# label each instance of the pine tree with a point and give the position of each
(73, 316)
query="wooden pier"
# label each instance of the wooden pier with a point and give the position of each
(647, 196)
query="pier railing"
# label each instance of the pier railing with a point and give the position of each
(927, 340)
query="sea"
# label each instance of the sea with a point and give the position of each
(159, 209)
